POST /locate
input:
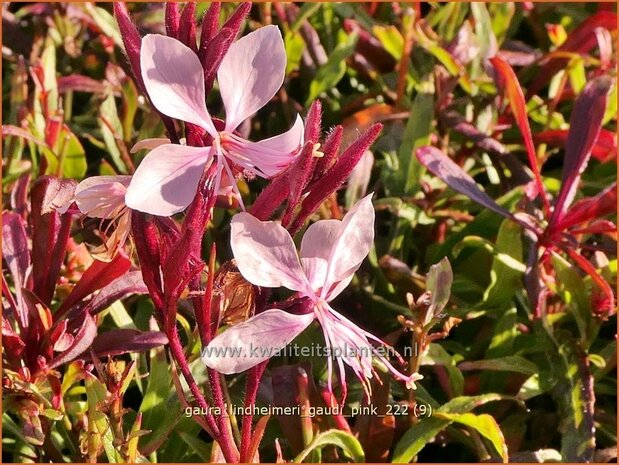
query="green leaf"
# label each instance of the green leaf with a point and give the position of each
(464, 404)
(485, 425)
(199, 447)
(501, 15)
(390, 38)
(437, 355)
(574, 292)
(306, 11)
(345, 441)
(106, 23)
(505, 275)
(424, 431)
(416, 438)
(294, 45)
(575, 397)
(480, 242)
(112, 131)
(333, 70)
(416, 134)
(513, 363)
(534, 386)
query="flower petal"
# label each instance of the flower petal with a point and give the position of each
(174, 79)
(268, 157)
(245, 345)
(316, 248)
(343, 246)
(251, 73)
(265, 254)
(101, 196)
(167, 179)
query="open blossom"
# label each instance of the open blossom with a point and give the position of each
(331, 252)
(249, 76)
(104, 197)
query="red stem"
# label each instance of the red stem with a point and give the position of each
(251, 390)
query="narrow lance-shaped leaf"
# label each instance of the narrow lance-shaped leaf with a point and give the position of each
(590, 208)
(455, 177)
(82, 341)
(604, 149)
(438, 282)
(588, 268)
(121, 341)
(50, 233)
(98, 275)
(17, 256)
(507, 80)
(125, 285)
(581, 40)
(585, 125)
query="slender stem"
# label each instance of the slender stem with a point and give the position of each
(408, 23)
(225, 429)
(251, 391)
(178, 354)
(209, 329)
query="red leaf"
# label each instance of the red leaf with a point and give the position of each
(50, 233)
(507, 81)
(588, 268)
(17, 257)
(604, 203)
(455, 177)
(97, 276)
(604, 149)
(80, 83)
(10, 130)
(585, 125)
(127, 284)
(581, 40)
(121, 341)
(82, 341)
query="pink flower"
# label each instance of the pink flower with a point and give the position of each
(331, 252)
(104, 197)
(249, 76)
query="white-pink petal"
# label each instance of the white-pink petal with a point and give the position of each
(166, 181)
(265, 253)
(261, 337)
(174, 80)
(316, 250)
(251, 73)
(101, 196)
(268, 157)
(351, 247)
